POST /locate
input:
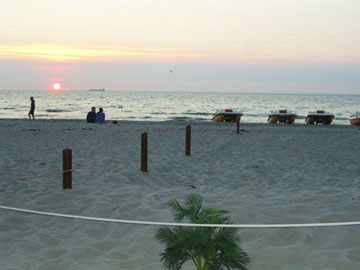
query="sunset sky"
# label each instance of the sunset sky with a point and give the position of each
(298, 46)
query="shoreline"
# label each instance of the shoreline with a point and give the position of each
(208, 122)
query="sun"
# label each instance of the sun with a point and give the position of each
(57, 86)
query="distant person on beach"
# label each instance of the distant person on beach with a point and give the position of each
(91, 116)
(32, 108)
(100, 116)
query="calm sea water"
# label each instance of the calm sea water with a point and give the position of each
(156, 106)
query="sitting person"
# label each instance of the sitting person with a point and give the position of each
(100, 117)
(91, 116)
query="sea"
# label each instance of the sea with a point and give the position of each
(172, 106)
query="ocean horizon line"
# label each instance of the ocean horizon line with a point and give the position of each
(190, 92)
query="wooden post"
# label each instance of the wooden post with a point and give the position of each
(67, 165)
(144, 152)
(237, 124)
(188, 140)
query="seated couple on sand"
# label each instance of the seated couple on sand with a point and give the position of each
(93, 117)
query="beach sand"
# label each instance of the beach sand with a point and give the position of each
(267, 174)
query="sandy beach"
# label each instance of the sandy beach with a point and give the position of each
(267, 174)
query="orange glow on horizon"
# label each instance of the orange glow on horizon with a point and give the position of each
(60, 53)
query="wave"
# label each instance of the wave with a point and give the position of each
(256, 115)
(158, 113)
(184, 118)
(183, 113)
(181, 118)
(12, 108)
(342, 118)
(198, 113)
(56, 110)
(201, 119)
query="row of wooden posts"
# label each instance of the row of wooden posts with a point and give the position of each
(67, 155)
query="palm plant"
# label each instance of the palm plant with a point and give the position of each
(208, 248)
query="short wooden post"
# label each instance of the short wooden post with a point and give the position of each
(144, 152)
(188, 140)
(67, 166)
(237, 125)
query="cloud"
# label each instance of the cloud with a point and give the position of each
(44, 52)
(61, 53)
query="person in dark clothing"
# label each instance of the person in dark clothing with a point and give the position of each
(32, 108)
(91, 116)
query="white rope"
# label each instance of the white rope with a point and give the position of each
(151, 223)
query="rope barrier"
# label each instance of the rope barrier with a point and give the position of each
(153, 223)
(93, 161)
(105, 156)
(303, 225)
(76, 168)
(32, 177)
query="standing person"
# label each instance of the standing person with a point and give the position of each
(32, 108)
(100, 117)
(91, 116)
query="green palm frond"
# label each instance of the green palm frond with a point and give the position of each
(191, 210)
(194, 202)
(208, 248)
(179, 212)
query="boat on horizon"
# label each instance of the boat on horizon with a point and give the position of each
(97, 90)
(282, 116)
(355, 119)
(227, 115)
(319, 117)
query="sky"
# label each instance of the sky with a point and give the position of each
(290, 46)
